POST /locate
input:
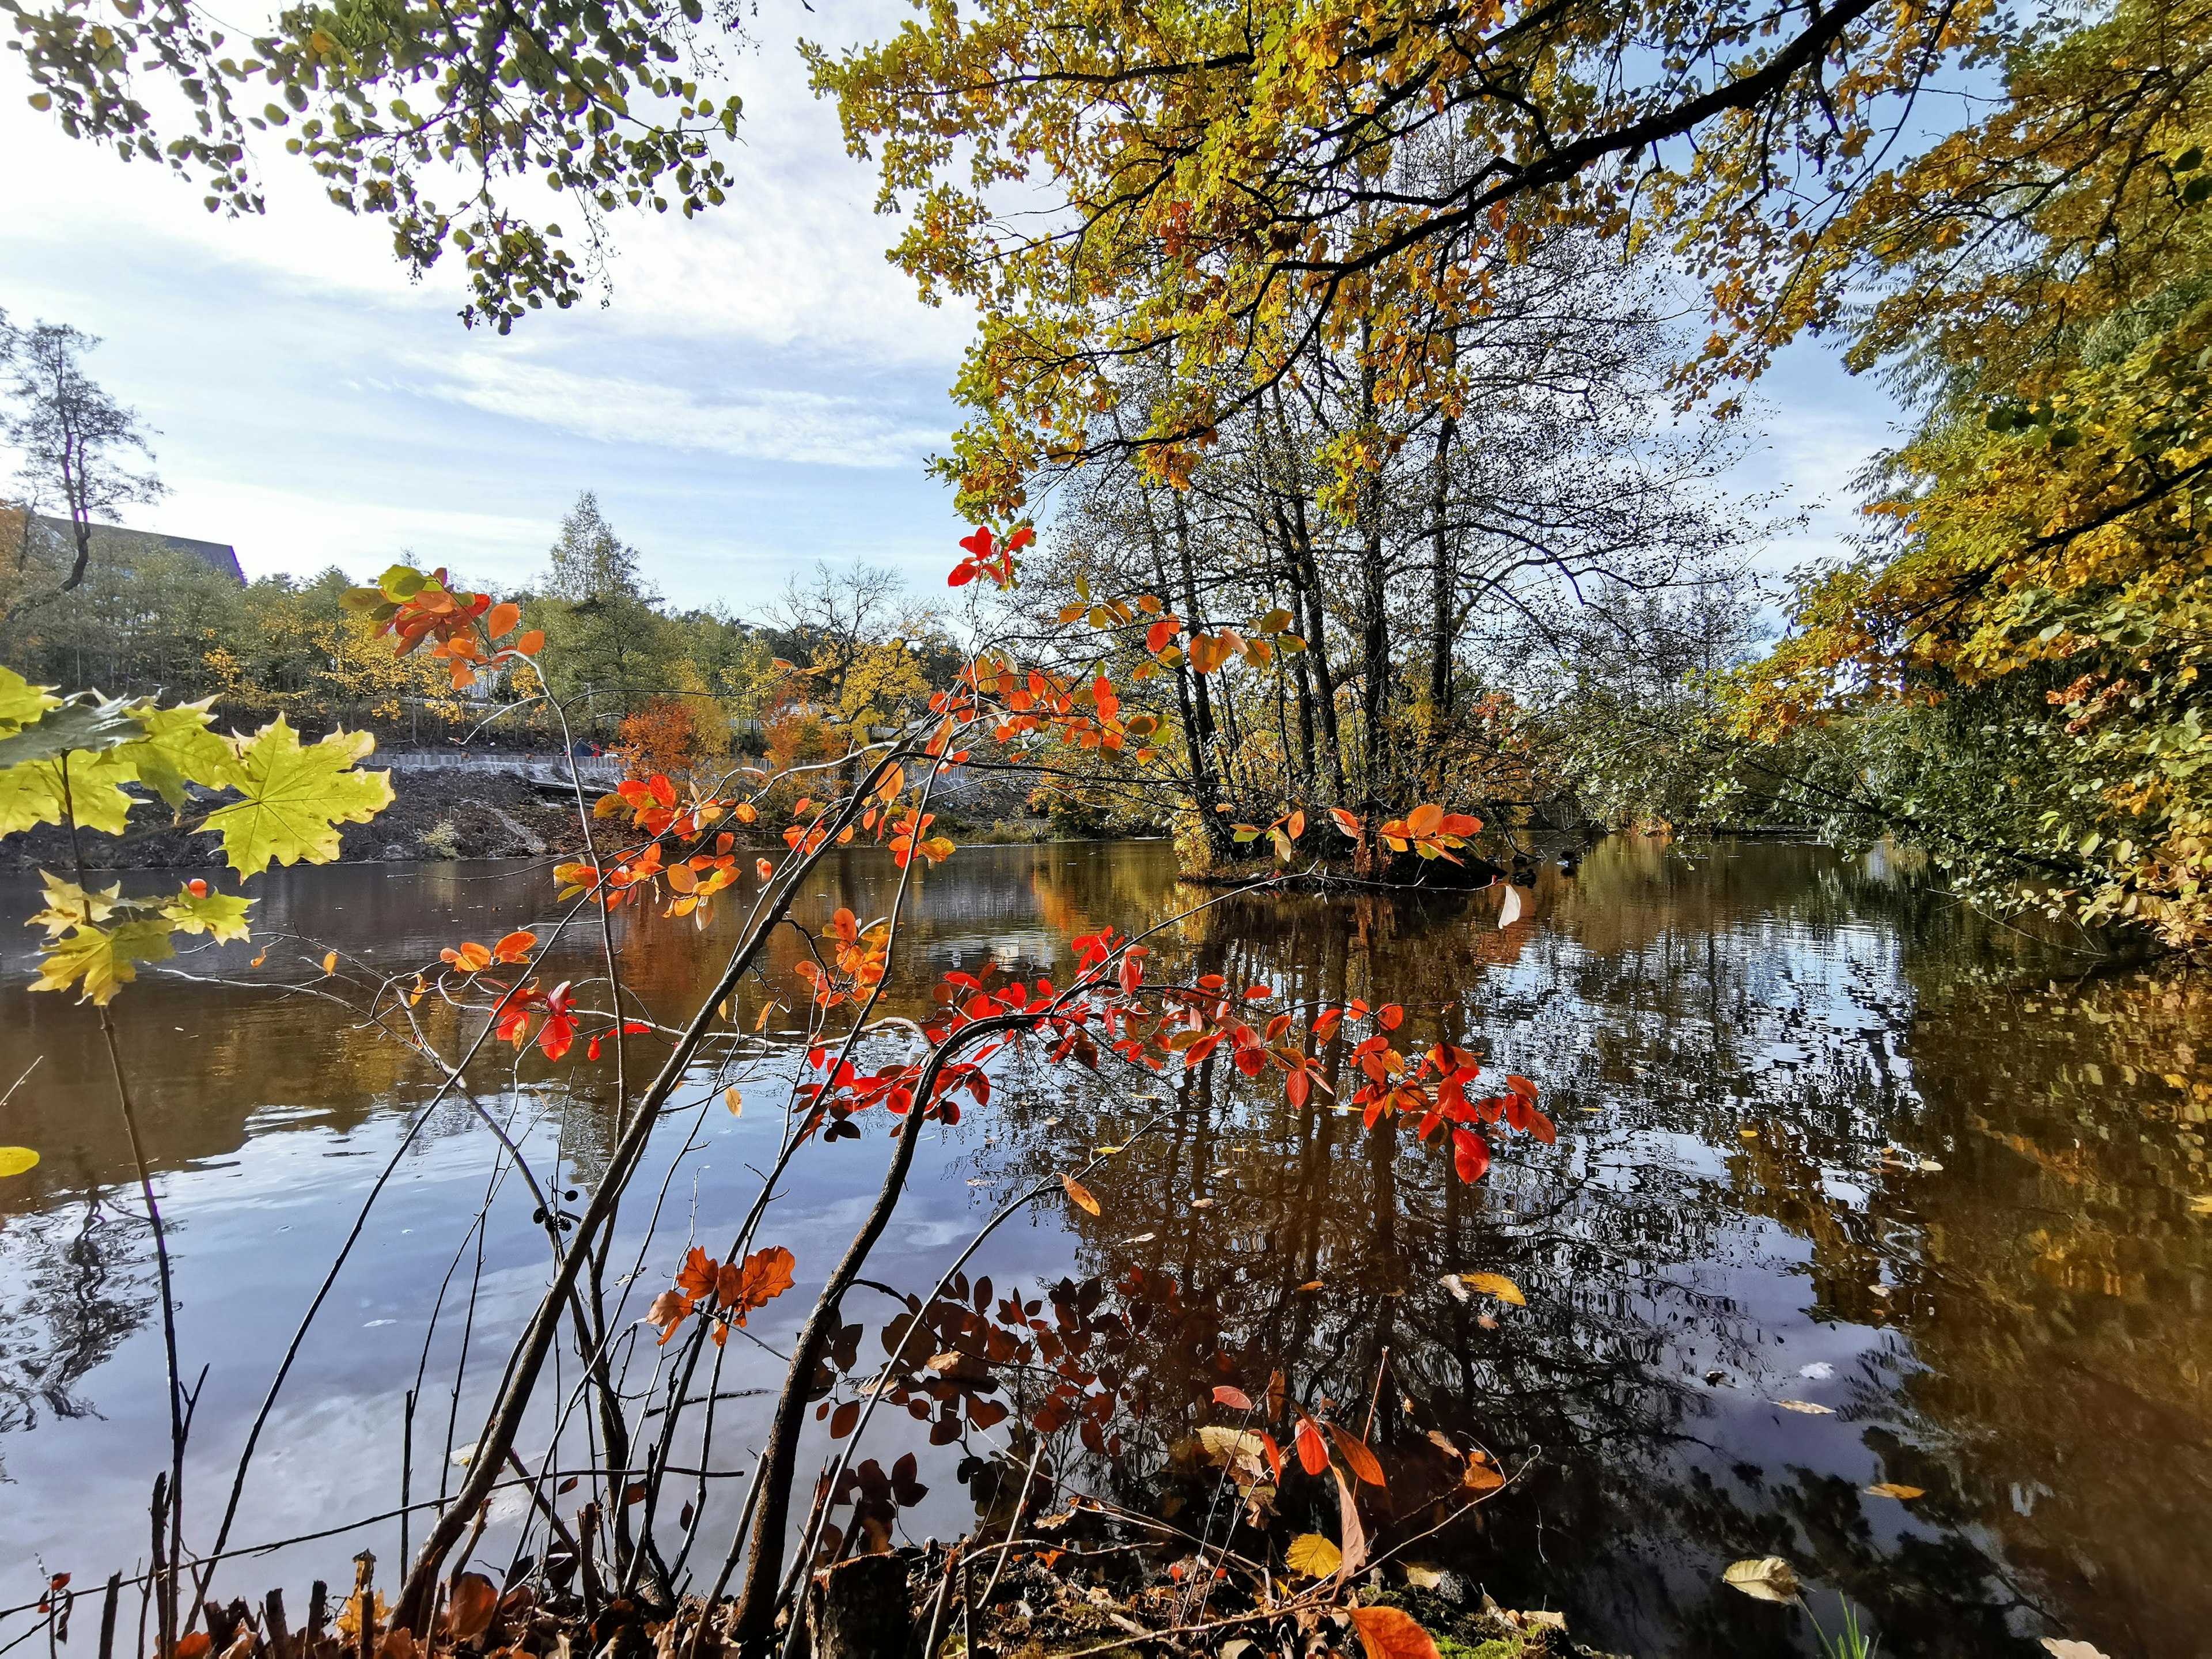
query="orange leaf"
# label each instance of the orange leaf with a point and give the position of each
(1347, 821)
(1235, 1399)
(195, 1646)
(1079, 1195)
(473, 1599)
(765, 1276)
(1313, 1451)
(501, 618)
(1387, 1634)
(515, 947)
(1426, 820)
(1357, 1457)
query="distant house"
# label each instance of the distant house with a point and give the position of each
(114, 547)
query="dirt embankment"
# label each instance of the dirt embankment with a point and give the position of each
(459, 813)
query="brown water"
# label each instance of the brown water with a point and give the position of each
(1825, 1137)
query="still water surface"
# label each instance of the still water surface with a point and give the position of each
(1825, 1138)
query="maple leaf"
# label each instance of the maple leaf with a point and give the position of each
(295, 797)
(220, 915)
(104, 958)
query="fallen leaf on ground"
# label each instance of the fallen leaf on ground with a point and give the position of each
(1387, 1634)
(1767, 1578)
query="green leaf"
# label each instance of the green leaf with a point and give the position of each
(88, 726)
(103, 958)
(178, 749)
(295, 798)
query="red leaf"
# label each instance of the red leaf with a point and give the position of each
(1274, 1455)
(1235, 1399)
(1313, 1451)
(1470, 1155)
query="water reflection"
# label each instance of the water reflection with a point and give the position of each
(1827, 1138)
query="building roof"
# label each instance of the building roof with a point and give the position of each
(113, 544)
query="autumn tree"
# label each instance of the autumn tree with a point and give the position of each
(2011, 673)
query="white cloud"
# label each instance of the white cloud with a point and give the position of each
(755, 424)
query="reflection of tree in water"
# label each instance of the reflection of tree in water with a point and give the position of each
(1682, 1002)
(79, 1281)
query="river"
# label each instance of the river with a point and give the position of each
(1825, 1137)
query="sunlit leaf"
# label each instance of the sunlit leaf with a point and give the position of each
(1357, 1456)
(102, 958)
(1496, 1284)
(1312, 1556)
(1807, 1407)
(1768, 1579)
(1235, 1399)
(1389, 1633)
(14, 1160)
(295, 797)
(734, 1100)
(1892, 1489)
(1079, 1195)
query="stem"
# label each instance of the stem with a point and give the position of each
(167, 1628)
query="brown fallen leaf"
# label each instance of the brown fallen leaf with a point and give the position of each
(1767, 1578)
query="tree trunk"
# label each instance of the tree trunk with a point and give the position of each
(857, 1609)
(1440, 646)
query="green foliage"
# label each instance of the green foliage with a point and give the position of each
(599, 102)
(67, 762)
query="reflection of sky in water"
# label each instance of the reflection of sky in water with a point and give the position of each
(1813, 1147)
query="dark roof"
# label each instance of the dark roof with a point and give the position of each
(113, 544)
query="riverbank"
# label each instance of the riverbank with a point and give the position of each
(472, 812)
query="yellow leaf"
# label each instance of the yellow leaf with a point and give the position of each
(331, 962)
(1312, 1556)
(14, 1160)
(1891, 1489)
(295, 797)
(1496, 1284)
(102, 958)
(1079, 1195)
(1806, 1407)
(737, 1101)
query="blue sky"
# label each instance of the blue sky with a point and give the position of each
(762, 392)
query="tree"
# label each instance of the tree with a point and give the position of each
(611, 644)
(2012, 673)
(604, 104)
(1230, 189)
(589, 561)
(70, 434)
